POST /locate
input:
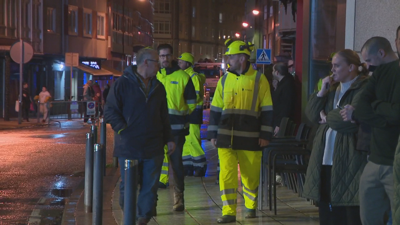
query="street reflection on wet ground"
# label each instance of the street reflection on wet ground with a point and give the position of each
(39, 168)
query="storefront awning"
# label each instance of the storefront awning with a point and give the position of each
(100, 72)
(115, 72)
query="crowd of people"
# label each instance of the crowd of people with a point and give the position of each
(353, 171)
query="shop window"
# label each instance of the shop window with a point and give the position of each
(87, 26)
(101, 26)
(72, 20)
(51, 20)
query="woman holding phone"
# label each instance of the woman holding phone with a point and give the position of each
(335, 165)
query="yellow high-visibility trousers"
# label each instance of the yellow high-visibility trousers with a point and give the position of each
(250, 165)
(164, 178)
(193, 154)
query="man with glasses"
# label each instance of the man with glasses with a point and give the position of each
(181, 98)
(137, 110)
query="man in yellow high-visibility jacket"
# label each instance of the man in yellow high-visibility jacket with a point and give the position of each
(240, 126)
(194, 159)
(181, 100)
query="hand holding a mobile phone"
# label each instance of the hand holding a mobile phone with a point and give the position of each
(326, 83)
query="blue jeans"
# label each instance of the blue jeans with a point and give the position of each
(149, 173)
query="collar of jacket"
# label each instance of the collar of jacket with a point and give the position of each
(190, 71)
(132, 74)
(169, 70)
(356, 84)
(245, 72)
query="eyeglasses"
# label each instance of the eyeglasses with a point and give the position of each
(152, 60)
(165, 56)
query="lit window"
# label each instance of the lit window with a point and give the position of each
(162, 27)
(51, 20)
(73, 20)
(162, 6)
(271, 11)
(265, 12)
(101, 26)
(194, 12)
(220, 17)
(87, 26)
(11, 20)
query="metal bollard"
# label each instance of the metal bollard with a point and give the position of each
(93, 130)
(97, 216)
(131, 174)
(103, 141)
(89, 173)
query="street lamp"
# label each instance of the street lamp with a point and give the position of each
(256, 12)
(237, 35)
(245, 24)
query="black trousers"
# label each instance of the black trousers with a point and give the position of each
(25, 111)
(334, 215)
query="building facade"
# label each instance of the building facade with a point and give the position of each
(102, 32)
(200, 26)
(309, 31)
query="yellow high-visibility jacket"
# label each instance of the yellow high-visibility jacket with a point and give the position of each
(181, 98)
(241, 111)
(198, 80)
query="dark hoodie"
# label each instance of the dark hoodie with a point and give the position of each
(143, 118)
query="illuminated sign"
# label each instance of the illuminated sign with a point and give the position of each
(92, 64)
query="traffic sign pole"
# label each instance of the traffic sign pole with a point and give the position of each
(21, 65)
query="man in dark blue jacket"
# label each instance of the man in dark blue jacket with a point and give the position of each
(137, 110)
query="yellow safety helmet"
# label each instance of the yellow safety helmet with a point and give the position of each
(187, 57)
(238, 47)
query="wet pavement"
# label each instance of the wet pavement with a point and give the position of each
(41, 166)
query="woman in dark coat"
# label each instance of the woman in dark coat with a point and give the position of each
(335, 165)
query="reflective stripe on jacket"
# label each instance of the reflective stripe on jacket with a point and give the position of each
(241, 111)
(181, 98)
(198, 80)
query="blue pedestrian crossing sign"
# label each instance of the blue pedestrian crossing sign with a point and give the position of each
(263, 56)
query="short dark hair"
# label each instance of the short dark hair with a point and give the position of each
(373, 45)
(397, 32)
(282, 68)
(164, 46)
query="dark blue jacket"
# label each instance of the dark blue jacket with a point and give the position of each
(144, 119)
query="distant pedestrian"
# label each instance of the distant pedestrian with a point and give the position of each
(88, 95)
(137, 111)
(105, 92)
(97, 99)
(283, 95)
(44, 98)
(193, 156)
(26, 102)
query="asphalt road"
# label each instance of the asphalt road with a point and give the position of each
(39, 168)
